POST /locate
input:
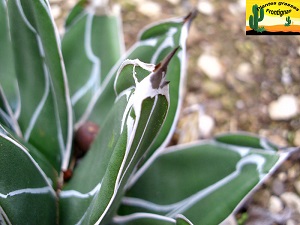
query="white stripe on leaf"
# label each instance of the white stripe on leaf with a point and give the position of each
(183, 205)
(94, 80)
(135, 216)
(77, 194)
(33, 191)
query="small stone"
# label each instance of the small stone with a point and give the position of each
(282, 176)
(297, 138)
(298, 51)
(261, 198)
(244, 71)
(286, 77)
(291, 222)
(275, 204)
(285, 108)
(206, 125)
(292, 200)
(278, 187)
(211, 66)
(206, 7)
(150, 9)
(174, 2)
(297, 186)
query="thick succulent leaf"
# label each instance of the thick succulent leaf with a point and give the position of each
(7, 72)
(25, 190)
(155, 42)
(92, 44)
(94, 192)
(198, 180)
(150, 219)
(39, 158)
(248, 140)
(44, 109)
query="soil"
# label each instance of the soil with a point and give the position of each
(239, 98)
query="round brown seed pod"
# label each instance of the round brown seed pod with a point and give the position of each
(68, 174)
(84, 137)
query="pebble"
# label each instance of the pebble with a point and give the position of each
(291, 222)
(292, 200)
(244, 72)
(297, 139)
(174, 2)
(297, 186)
(277, 187)
(285, 108)
(211, 66)
(205, 7)
(275, 204)
(206, 125)
(150, 9)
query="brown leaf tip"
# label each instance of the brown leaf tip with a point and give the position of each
(160, 70)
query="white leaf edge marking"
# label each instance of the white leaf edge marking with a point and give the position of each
(109, 77)
(4, 217)
(64, 147)
(68, 144)
(10, 116)
(143, 90)
(182, 57)
(15, 115)
(135, 216)
(40, 190)
(77, 194)
(40, 105)
(183, 205)
(95, 75)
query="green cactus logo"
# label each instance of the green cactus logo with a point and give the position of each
(288, 21)
(254, 19)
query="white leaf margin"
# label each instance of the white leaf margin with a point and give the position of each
(177, 208)
(41, 190)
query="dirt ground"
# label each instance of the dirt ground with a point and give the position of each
(253, 72)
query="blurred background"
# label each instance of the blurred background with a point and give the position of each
(235, 83)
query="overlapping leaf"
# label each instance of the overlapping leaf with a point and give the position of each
(132, 125)
(154, 44)
(26, 196)
(204, 181)
(92, 44)
(36, 99)
(9, 96)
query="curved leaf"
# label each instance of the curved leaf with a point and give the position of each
(197, 180)
(45, 117)
(155, 42)
(150, 219)
(7, 70)
(9, 96)
(132, 126)
(25, 190)
(91, 46)
(151, 48)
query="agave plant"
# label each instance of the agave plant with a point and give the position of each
(53, 92)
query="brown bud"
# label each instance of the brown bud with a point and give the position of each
(67, 174)
(84, 137)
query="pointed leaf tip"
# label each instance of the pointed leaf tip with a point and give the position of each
(190, 16)
(160, 71)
